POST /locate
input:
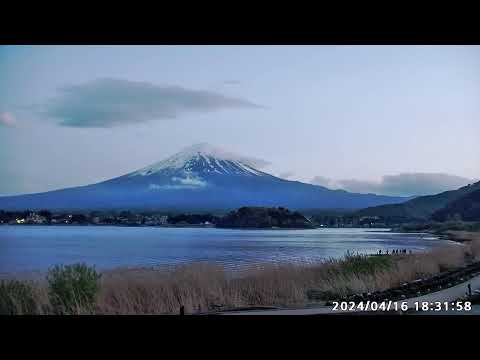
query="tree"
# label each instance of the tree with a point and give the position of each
(46, 214)
(79, 218)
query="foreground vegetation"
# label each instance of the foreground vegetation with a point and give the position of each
(79, 289)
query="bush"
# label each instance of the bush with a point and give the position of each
(362, 264)
(73, 289)
(16, 298)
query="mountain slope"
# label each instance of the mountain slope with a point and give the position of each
(421, 207)
(467, 207)
(200, 177)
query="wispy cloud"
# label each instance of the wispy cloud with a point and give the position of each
(180, 183)
(256, 163)
(114, 102)
(324, 181)
(286, 174)
(190, 181)
(406, 184)
(8, 120)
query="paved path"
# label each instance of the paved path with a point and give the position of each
(451, 294)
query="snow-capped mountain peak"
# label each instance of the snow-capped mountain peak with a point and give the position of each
(204, 158)
(199, 178)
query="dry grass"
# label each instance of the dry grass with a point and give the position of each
(475, 248)
(472, 240)
(202, 287)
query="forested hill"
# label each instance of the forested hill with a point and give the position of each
(421, 207)
(262, 217)
(467, 208)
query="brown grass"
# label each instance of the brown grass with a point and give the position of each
(475, 248)
(471, 239)
(202, 287)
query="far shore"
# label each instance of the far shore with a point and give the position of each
(208, 226)
(449, 235)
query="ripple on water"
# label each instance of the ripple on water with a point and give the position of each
(32, 248)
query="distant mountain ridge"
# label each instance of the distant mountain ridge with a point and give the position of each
(422, 207)
(466, 208)
(198, 178)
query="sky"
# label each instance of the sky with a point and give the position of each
(394, 120)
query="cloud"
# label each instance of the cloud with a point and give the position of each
(405, 184)
(216, 151)
(323, 181)
(286, 174)
(8, 120)
(114, 102)
(254, 162)
(188, 182)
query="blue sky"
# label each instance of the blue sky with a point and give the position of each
(354, 117)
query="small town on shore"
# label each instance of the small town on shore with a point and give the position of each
(129, 218)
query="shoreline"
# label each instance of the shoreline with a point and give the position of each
(212, 226)
(451, 235)
(192, 226)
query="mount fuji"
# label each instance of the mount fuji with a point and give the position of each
(199, 178)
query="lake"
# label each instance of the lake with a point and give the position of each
(36, 248)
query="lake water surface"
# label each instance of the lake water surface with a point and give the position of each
(36, 248)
